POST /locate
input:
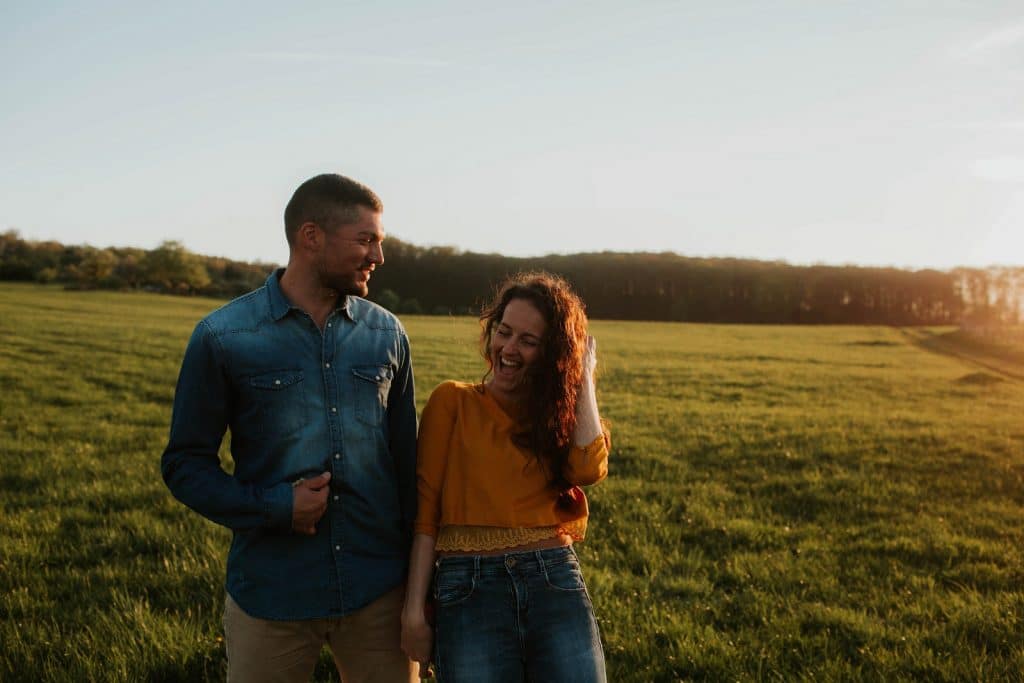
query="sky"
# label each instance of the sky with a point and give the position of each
(875, 132)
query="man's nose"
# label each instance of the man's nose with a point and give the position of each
(376, 253)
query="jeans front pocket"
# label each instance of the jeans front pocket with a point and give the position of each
(453, 583)
(564, 574)
(371, 384)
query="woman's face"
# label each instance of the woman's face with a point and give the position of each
(516, 345)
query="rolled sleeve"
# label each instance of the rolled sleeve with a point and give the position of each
(589, 465)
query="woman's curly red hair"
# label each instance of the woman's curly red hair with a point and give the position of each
(553, 382)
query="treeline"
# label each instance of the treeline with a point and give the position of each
(169, 268)
(665, 286)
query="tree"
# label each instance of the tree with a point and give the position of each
(95, 268)
(410, 306)
(171, 268)
(389, 300)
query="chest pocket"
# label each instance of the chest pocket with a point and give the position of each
(372, 384)
(280, 402)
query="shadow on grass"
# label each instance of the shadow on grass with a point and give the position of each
(873, 342)
(201, 666)
(972, 348)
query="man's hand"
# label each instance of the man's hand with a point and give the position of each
(309, 502)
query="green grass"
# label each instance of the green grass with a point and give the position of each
(784, 503)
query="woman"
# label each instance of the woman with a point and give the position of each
(500, 465)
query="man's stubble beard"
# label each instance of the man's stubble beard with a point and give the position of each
(343, 286)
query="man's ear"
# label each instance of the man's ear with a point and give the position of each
(309, 235)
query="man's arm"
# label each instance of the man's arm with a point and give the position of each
(190, 466)
(402, 434)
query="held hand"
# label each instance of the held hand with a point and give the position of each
(309, 502)
(417, 640)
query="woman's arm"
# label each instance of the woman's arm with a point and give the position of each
(417, 633)
(588, 420)
(588, 459)
(433, 445)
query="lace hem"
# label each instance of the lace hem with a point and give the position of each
(465, 537)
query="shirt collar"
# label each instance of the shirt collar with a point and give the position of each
(279, 304)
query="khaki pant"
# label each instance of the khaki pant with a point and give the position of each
(366, 645)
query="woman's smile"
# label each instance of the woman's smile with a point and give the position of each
(515, 346)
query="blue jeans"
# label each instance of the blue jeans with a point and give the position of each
(517, 617)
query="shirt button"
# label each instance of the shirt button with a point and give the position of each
(337, 547)
(328, 324)
(336, 498)
(333, 409)
(327, 365)
(277, 381)
(337, 456)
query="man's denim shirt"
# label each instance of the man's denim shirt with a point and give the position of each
(299, 402)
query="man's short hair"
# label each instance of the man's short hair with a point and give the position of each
(328, 200)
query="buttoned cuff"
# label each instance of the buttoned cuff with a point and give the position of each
(277, 506)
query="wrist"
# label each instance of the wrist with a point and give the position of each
(412, 621)
(413, 611)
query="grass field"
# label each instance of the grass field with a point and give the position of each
(785, 503)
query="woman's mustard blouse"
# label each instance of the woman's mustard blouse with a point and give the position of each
(478, 490)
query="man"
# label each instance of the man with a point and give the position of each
(316, 386)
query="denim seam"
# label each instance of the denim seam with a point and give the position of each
(547, 577)
(520, 631)
(216, 346)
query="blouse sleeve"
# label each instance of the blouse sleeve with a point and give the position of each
(589, 464)
(436, 426)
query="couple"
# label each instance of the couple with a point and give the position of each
(316, 386)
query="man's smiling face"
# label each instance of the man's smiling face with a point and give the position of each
(350, 252)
